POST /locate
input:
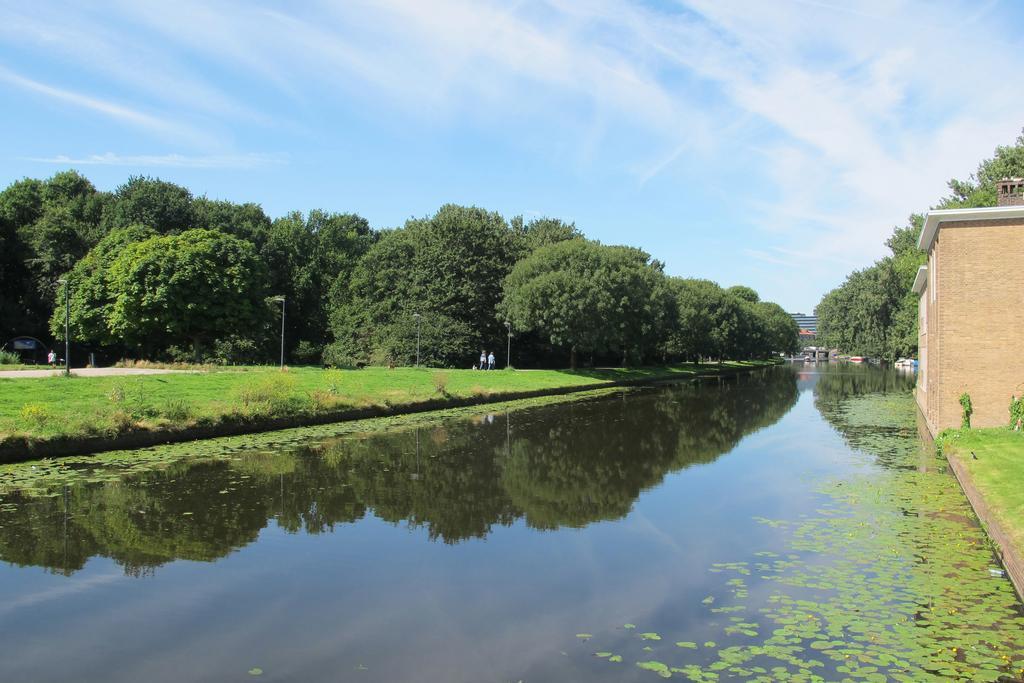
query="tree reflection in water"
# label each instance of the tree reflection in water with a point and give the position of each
(564, 465)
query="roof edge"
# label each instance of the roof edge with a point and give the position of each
(934, 219)
(920, 280)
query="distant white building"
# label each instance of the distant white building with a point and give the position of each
(806, 322)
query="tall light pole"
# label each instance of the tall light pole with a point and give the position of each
(67, 325)
(508, 350)
(280, 298)
(416, 317)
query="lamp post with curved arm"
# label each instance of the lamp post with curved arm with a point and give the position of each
(67, 324)
(416, 317)
(508, 349)
(280, 299)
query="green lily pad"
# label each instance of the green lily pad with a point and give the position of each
(657, 667)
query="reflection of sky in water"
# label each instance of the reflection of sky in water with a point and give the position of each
(504, 606)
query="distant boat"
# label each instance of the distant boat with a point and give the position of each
(857, 359)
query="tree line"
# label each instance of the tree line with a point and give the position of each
(151, 271)
(874, 312)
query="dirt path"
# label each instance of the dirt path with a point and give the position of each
(83, 372)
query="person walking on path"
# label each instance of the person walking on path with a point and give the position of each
(51, 358)
(483, 360)
(490, 361)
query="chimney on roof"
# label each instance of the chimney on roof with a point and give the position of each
(1010, 192)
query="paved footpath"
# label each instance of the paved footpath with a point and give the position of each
(83, 372)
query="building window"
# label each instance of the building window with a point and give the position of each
(932, 267)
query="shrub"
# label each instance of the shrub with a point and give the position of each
(325, 400)
(1017, 413)
(235, 350)
(116, 393)
(441, 383)
(965, 403)
(121, 421)
(176, 410)
(9, 358)
(35, 414)
(274, 394)
(307, 353)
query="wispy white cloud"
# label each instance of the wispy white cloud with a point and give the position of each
(839, 119)
(213, 161)
(113, 110)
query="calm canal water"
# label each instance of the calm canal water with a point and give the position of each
(788, 525)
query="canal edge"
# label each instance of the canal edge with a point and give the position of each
(25, 450)
(1011, 559)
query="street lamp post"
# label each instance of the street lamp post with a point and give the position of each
(281, 300)
(416, 317)
(508, 350)
(67, 325)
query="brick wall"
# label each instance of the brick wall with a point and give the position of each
(976, 323)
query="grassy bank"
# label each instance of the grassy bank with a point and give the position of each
(34, 412)
(997, 472)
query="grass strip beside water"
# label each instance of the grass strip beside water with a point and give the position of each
(44, 409)
(996, 469)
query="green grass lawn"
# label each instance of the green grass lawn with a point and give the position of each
(998, 473)
(45, 408)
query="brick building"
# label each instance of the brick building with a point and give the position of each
(971, 312)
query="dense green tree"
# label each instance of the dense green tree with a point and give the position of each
(587, 297)
(874, 312)
(244, 221)
(49, 226)
(155, 203)
(980, 189)
(743, 293)
(696, 301)
(781, 333)
(21, 204)
(448, 269)
(540, 232)
(189, 288)
(91, 298)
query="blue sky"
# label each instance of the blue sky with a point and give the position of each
(773, 143)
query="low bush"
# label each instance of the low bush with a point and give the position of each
(1017, 413)
(968, 410)
(307, 353)
(440, 380)
(177, 410)
(235, 350)
(116, 393)
(121, 421)
(36, 415)
(9, 358)
(273, 395)
(322, 400)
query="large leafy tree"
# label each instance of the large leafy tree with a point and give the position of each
(874, 312)
(244, 221)
(189, 288)
(20, 204)
(157, 204)
(47, 227)
(980, 188)
(307, 257)
(448, 269)
(586, 297)
(696, 301)
(91, 298)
